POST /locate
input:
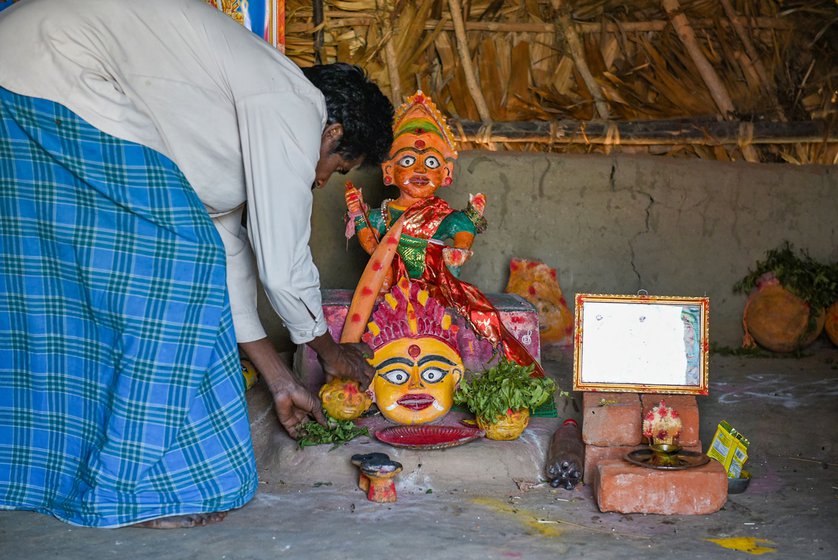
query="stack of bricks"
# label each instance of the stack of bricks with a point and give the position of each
(612, 427)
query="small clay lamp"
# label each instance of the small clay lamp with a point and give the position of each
(381, 474)
(367, 458)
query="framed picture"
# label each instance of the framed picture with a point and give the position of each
(641, 344)
(266, 18)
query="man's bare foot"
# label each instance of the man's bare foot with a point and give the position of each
(183, 521)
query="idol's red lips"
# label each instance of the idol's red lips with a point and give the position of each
(421, 181)
(416, 402)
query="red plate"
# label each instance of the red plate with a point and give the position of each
(428, 437)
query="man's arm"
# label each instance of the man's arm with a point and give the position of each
(292, 401)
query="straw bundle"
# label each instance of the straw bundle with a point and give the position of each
(751, 80)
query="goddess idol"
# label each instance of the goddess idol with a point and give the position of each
(432, 240)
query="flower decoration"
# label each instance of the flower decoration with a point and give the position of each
(662, 424)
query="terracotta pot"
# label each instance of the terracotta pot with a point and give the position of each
(831, 324)
(507, 427)
(778, 320)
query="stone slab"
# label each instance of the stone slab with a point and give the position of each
(491, 463)
(611, 419)
(627, 488)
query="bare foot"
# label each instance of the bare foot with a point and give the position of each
(183, 521)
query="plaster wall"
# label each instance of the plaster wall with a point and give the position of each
(612, 224)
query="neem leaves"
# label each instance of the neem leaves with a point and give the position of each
(337, 432)
(507, 385)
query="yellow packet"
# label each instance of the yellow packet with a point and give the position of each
(730, 448)
(249, 373)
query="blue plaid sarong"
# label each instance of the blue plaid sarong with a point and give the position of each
(121, 394)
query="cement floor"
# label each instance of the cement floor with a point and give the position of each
(310, 508)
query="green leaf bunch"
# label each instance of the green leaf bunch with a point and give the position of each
(813, 282)
(336, 432)
(505, 386)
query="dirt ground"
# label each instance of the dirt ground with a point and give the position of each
(467, 503)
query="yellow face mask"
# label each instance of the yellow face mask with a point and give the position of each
(343, 399)
(415, 379)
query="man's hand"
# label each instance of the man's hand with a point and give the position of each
(293, 403)
(347, 361)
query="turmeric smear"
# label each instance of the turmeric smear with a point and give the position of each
(527, 518)
(750, 545)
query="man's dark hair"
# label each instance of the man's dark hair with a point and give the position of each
(358, 104)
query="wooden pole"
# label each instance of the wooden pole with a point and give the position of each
(577, 53)
(465, 59)
(753, 55)
(711, 79)
(390, 52)
(708, 132)
(338, 18)
(317, 12)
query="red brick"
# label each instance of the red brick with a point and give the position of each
(611, 419)
(627, 488)
(687, 408)
(595, 455)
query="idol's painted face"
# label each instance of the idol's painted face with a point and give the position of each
(415, 379)
(418, 172)
(343, 400)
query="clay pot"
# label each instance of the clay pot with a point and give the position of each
(507, 427)
(831, 324)
(778, 320)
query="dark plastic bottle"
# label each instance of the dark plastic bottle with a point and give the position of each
(566, 456)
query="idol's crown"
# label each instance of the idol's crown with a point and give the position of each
(419, 116)
(409, 312)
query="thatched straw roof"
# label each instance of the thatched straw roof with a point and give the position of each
(715, 79)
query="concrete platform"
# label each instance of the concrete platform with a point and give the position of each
(465, 502)
(492, 463)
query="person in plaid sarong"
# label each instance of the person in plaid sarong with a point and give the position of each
(135, 138)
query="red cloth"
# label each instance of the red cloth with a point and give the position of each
(421, 221)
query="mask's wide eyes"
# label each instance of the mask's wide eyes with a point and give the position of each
(433, 375)
(396, 376)
(431, 162)
(407, 161)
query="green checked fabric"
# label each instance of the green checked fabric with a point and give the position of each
(121, 397)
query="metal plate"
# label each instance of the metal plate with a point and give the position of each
(682, 460)
(428, 437)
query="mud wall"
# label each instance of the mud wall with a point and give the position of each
(613, 224)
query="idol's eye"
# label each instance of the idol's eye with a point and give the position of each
(407, 161)
(433, 375)
(431, 162)
(396, 376)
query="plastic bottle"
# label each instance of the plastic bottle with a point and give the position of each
(566, 456)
